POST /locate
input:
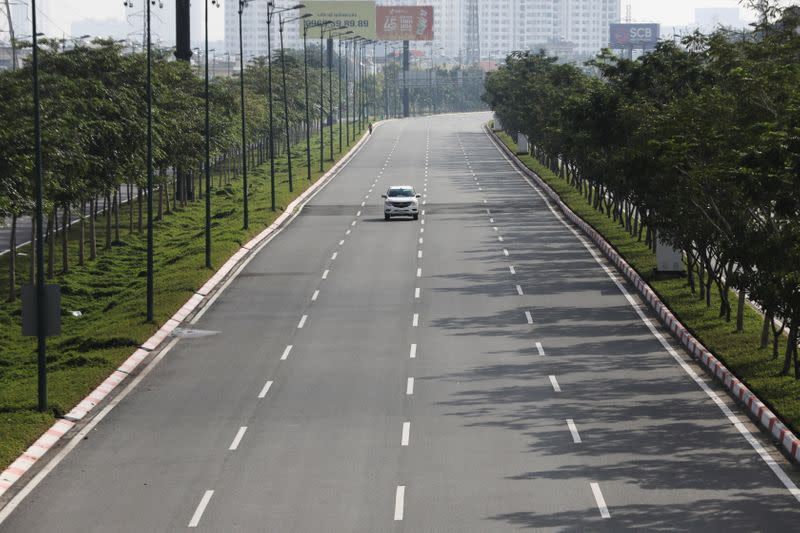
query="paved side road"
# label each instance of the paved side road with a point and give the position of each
(476, 370)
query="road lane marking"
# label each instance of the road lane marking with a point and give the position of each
(416, 292)
(601, 502)
(419, 272)
(353, 223)
(415, 320)
(201, 508)
(399, 499)
(519, 290)
(505, 252)
(494, 228)
(573, 429)
(491, 221)
(422, 221)
(406, 434)
(334, 256)
(315, 295)
(528, 317)
(540, 348)
(347, 232)
(237, 439)
(488, 212)
(412, 354)
(286, 352)
(485, 202)
(423, 212)
(341, 242)
(302, 322)
(363, 204)
(422, 230)
(358, 214)
(421, 239)
(265, 390)
(500, 238)
(410, 387)
(419, 254)
(554, 383)
(512, 269)
(325, 274)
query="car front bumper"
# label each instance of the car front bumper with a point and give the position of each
(408, 211)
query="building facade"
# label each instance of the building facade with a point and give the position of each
(254, 28)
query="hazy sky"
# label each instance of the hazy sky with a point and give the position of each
(668, 12)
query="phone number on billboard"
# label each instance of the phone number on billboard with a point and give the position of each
(358, 23)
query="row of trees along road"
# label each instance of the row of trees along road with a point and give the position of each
(699, 142)
(93, 136)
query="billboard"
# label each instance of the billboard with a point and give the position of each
(404, 23)
(358, 16)
(634, 35)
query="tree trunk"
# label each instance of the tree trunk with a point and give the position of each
(116, 207)
(107, 211)
(12, 261)
(129, 203)
(701, 273)
(768, 317)
(791, 350)
(93, 228)
(161, 201)
(740, 311)
(139, 200)
(65, 239)
(690, 270)
(776, 338)
(82, 236)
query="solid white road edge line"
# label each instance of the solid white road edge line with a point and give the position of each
(237, 439)
(573, 429)
(399, 502)
(726, 411)
(601, 502)
(201, 508)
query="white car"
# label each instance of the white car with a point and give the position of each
(401, 200)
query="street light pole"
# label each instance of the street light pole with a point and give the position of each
(339, 61)
(242, 5)
(214, 3)
(308, 116)
(347, 90)
(41, 337)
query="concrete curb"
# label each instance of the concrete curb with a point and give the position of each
(763, 415)
(52, 436)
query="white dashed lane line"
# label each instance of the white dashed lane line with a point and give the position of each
(512, 269)
(519, 290)
(406, 434)
(237, 439)
(412, 353)
(265, 389)
(554, 383)
(416, 293)
(341, 242)
(410, 387)
(540, 348)
(505, 252)
(415, 320)
(399, 502)
(601, 502)
(302, 322)
(325, 274)
(419, 272)
(529, 317)
(573, 429)
(286, 353)
(315, 295)
(201, 508)
(334, 256)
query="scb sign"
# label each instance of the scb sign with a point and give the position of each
(634, 35)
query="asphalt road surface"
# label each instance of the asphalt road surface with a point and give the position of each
(476, 370)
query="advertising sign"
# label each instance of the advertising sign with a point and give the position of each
(634, 35)
(357, 16)
(404, 23)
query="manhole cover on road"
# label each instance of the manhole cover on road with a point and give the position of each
(192, 333)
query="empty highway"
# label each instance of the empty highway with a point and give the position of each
(475, 370)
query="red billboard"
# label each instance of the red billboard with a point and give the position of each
(404, 23)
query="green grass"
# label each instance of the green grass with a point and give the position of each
(109, 291)
(740, 352)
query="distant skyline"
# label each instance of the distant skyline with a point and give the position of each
(60, 15)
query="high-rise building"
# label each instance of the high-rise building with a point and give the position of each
(585, 23)
(254, 28)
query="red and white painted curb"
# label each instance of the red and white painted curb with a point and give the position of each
(765, 417)
(26, 461)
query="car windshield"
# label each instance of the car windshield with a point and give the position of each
(401, 192)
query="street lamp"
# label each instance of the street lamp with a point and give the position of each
(271, 12)
(215, 3)
(150, 273)
(305, 71)
(281, 23)
(339, 109)
(243, 4)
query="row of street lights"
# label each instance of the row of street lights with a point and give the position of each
(326, 27)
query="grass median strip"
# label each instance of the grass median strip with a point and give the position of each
(740, 352)
(109, 292)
